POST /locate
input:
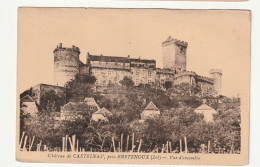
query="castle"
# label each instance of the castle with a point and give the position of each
(112, 69)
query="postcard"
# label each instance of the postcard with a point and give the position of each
(133, 86)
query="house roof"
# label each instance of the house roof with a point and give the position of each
(103, 111)
(26, 98)
(142, 60)
(89, 99)
(151, 106)
(204, 107)
(108, 58)
(97, 117)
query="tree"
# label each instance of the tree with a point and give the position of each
(127, 82)
(167, 84)
(79, 88)
(184, 89)
(51, 101)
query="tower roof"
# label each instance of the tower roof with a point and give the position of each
(151, 106)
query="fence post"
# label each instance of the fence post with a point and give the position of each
(170, 145)
(127, 141)
(139, 147)
(162, 148)
(167, 147)
(180, 146)
(25, 141)
(122, 142)
(63, 144)
(186, 147)
(77, 145)
(66, 143)
(208, 146)
(21, 140)
(71, 144)
(30, 147)
(113, 144)
(133, 140)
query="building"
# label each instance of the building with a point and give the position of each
(40, 92)
(28, 105)
(92, 104)
(76, 110)
(150, 111)
(112, 69)
(101, 115)
(98, 117)
(163, 75)
(108, 69)
(143, 71)
(174, 54)
(207, 111)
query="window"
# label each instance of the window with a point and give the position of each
(149, 74)
(137, 72)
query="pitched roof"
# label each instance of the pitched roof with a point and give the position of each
(151, 106)
(204, 107)
(89, 99)
(26, 98)
(103, 111)
(108, 58)
(143, 60)
(98, 117)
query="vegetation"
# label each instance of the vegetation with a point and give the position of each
(126, 102)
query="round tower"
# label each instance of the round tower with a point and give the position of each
(216, 74)
(66, 64)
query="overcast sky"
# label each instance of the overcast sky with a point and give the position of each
(216, 39)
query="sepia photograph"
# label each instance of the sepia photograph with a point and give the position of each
(140, 86)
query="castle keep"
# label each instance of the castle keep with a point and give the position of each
(111, 69)
(174, 54)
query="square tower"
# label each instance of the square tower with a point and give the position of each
(174, 54)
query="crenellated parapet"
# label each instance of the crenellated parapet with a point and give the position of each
(185, 73)
(174, 53)
(72, 49)
(171, 40)
(166, 71)
(205, 79)
(212, 71)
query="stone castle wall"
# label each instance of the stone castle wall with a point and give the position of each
(39, 90)
(111, 69)
(66, 64)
